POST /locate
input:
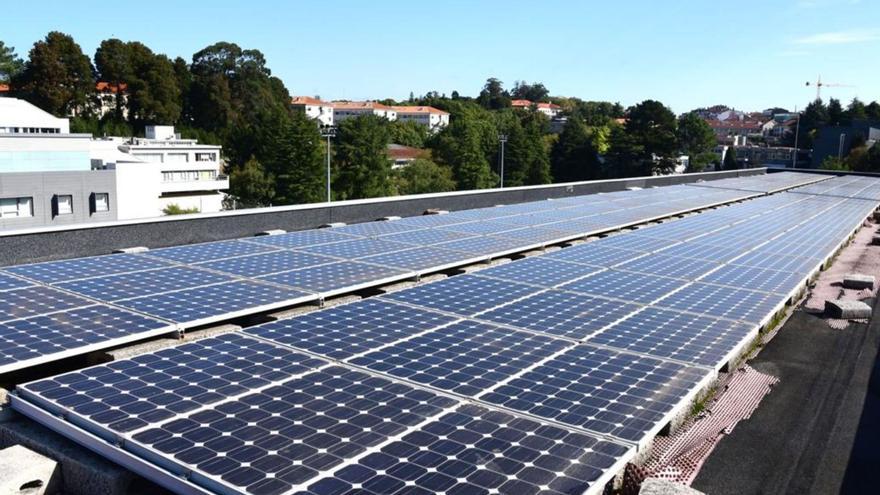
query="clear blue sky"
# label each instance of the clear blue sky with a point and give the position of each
(686, 53)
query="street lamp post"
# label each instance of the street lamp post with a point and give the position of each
(502, 138)
(797, 130)
(328, 131)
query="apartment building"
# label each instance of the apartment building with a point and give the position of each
(348, 109)
(314, 108)
(432, 118)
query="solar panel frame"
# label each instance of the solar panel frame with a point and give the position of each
(422, 259)
(9, 281)
(302, 238)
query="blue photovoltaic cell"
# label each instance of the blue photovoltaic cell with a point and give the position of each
(752, 278)
(717, 254)
(627, 286)
(130, 394)
(669, 334)
(195, 253)
(539, 270)
(266, 263)
(561, 313)
(343, 331)
(669, 266)
(533, 235)
(420, 258)
(194, 305)
(335, 276)
(9, 282)
(466, 357)
(426, 237)
(635, 242)
(138, 284)
(32, 301)
(608, 392)
(724, 302)
(373, 229)
(357, 248)
(302, 238)
(786, 263)
(60, 271)
(475, 450)
(481, 245)
(593, 254)
(433, 220)
(463, 294)
(42, 336)
(480, 227)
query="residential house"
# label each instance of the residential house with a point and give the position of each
(314, 108)
(347, 109)
(432, 118)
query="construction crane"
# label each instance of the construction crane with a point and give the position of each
(819, 85)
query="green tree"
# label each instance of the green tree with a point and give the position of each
(57, 76)
(574, 156)
(526, 161)
(423, 176)
(833, 163)
(647, 144)
(836, 115)
(292, 152)
(694, 135)
(408, 133)
(533, 92)
(466, 146)
(113, 63)
(176, 209)
(856, 110)
(493, 96)
(250, 186)
(10, 63)
(361, 163)
(873, 110)
(815, 115)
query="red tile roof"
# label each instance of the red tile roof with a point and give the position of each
(106, 87)
(307, 100)
(552, 106)
(4, 88)
(418, 109)
(355, 105)
(401, 152)
(520, 103)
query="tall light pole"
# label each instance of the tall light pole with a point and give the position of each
(329, 132)
(502, 138)
(797, 130)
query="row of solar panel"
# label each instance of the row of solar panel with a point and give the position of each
(197, 284)
(253, 413)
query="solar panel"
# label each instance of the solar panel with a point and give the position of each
(465, 295)
(373, 229)
(561, 313)
(302, 238)
(418, 259)
(264, 264)
(9, 282)
(533, 235)
(426, 237)
(593, 254)
(756, 279)
(26, 341)
(466, 357)
(357, 248)
(669, 266)
(477, 450)
(209, 251)
(342, 275)
(724, 302)
(128, 285)
(32, 301)
(635, 242)
(482, 245)
(717, 254)
(433, 220)
(626, 286)
(662, 333)
(60, 271)
(614, 393)
(480, 228)
(538, 270)
(788, 263)
(128, 395)
(343, 331)
(211, 303)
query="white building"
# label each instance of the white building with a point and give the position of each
(314, 108)
(106, 98)
(348, 109)
(188, 174)
(551, 110)
(20, 117)
(432, 118)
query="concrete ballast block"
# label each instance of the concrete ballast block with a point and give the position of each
(24, 471)
(658, 486)
(332, 225)
(131, 250)
(270, 232)
(858, 281)
(847, 309)
(876, 240)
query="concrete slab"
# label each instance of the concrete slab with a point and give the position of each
(858, 281)
(657, 486)
(162, 343)
(24, 471)
(82, 472)
(847, 309)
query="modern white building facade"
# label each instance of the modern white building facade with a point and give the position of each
(348, 109)
(432, 118)
(314, 108)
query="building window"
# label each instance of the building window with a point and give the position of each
(100, 202)
(206, 157)
(16, 207)
(63, 204)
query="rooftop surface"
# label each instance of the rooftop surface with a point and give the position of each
(590, 350)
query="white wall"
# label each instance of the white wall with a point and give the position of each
(138, 190)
